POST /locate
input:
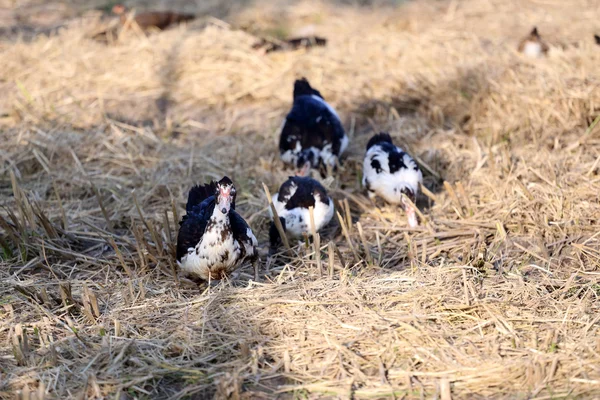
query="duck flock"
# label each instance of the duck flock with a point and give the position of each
(214, 239)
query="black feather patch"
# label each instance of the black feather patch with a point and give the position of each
(239, 229)
(191, 231)
(376, 165)
(382, 137)
(396, 159)
(303, 88)
(199, 193)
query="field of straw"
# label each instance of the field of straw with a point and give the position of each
(495, 295)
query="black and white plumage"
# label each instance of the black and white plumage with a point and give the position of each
(389, 172)
(292, 204)
(213, 238)
(312, 135)
(533, 45)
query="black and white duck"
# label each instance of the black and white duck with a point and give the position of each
(292, 204)
(389, 172)
(213, 238)
(312, 135)
(533, 45)
(151, 19)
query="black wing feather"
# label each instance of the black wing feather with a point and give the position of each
(199, 193)
(191, 230)
(199, 208)
(239, 229)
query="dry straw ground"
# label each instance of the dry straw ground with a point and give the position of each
(497, 296)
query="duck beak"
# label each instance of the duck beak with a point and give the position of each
(413, 222)
(304, 170)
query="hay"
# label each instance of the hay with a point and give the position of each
(495, 297)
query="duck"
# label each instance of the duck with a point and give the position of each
(292, 203)
(389, 172)
(151, 19)
(213, 238)
(268, 45)
(312, 135)
(533, 45)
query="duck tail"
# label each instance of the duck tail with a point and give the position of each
(199, 193)
(381, 137)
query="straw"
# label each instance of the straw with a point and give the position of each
(495, 296)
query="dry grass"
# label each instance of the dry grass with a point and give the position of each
(496, 296)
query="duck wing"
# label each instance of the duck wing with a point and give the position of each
(191, 230)
(199, 208)
(242, 233)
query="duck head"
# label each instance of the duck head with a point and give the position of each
(409, 208)
(224, 195)
(119, 9)
(306, 160)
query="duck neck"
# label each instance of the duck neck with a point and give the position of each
(219, 218)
